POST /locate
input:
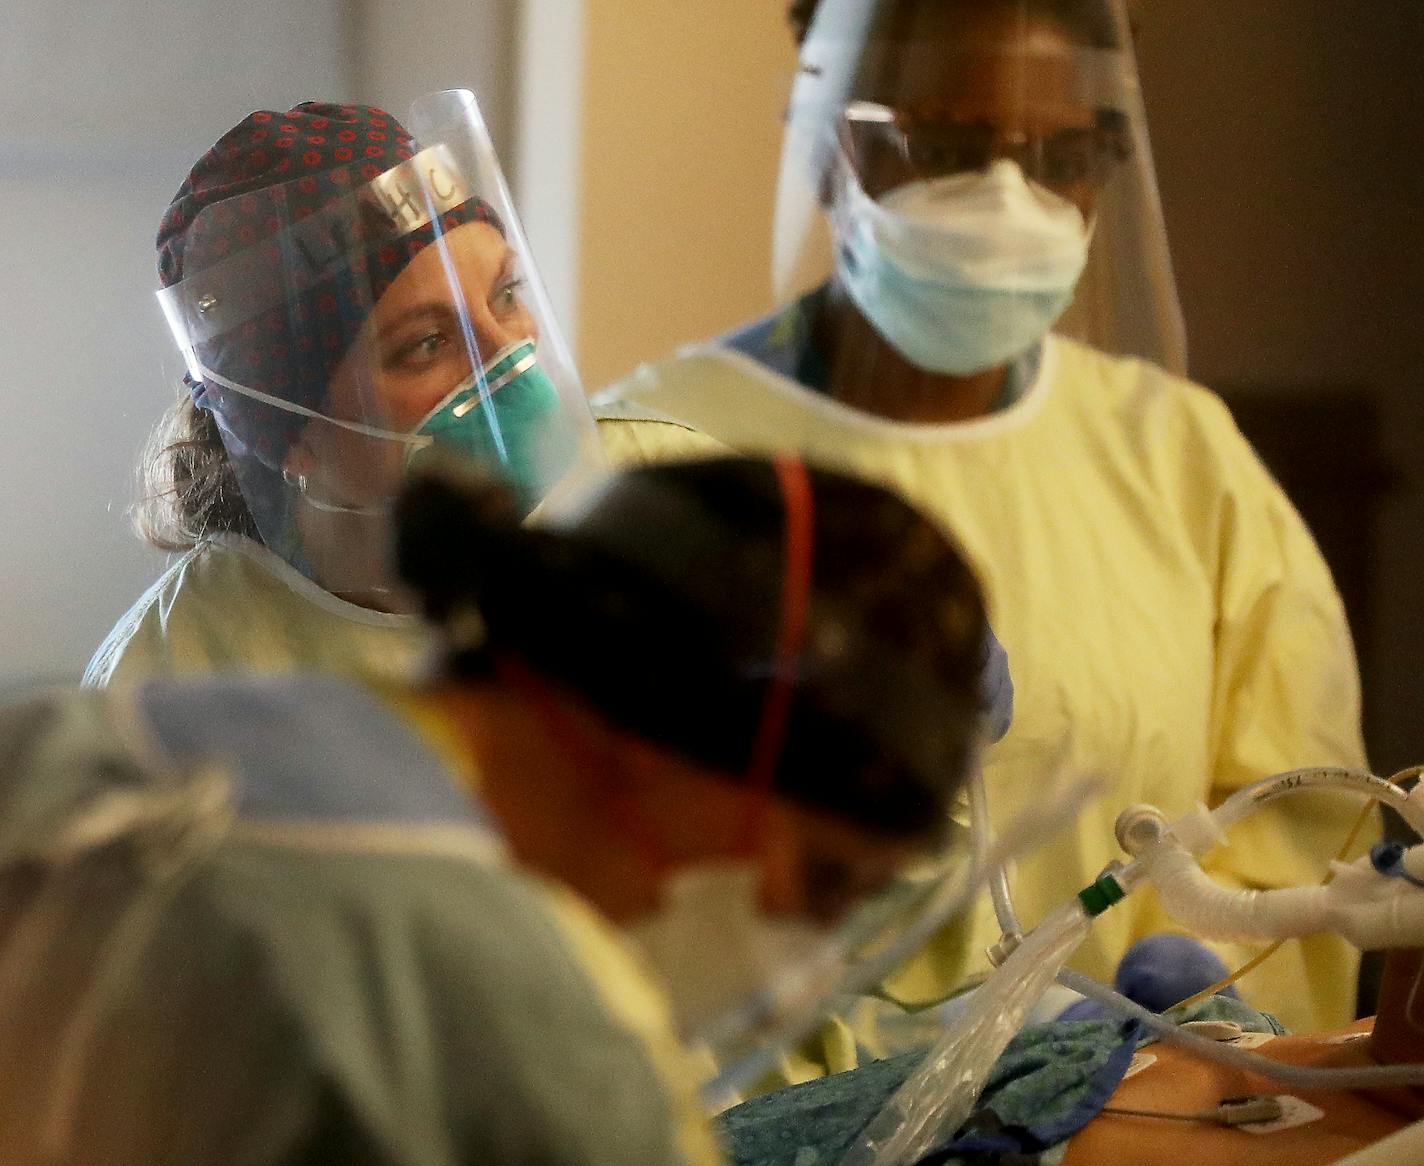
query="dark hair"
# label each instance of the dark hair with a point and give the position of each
(660, 606)
(188, 491)
(800, 15)
(1088, 19)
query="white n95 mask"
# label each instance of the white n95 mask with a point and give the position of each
(713, 947)
(960, 273)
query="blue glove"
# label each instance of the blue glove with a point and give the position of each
(1157, 972)
(1161, 970)
(996, 688)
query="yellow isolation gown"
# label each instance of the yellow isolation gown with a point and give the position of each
(1170, 624)
(229, 603)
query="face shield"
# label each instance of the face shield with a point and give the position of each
(855, 959)
(376, 308)
(972, 174)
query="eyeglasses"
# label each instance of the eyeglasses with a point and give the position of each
(888, 146)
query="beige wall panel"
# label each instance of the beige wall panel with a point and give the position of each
(681, 140)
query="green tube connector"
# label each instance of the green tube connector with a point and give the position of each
(1097, 897)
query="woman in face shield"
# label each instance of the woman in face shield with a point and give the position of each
(226, 935)
(966, 184)
(347, 298)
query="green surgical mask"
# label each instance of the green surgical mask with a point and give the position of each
(509, 420)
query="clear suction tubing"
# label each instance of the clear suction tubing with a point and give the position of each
(1366, 907)
(937, 1098)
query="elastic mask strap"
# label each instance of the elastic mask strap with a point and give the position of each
(303, 487)
(797, 547)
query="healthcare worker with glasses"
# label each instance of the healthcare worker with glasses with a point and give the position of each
(228, 935)
(350, 296)
(964, 185)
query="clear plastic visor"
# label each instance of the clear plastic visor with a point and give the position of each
(912, 100)
(346, 324)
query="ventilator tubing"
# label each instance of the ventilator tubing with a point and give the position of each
(1140, 827)
(980, 835)
(1294, 1076)
(1370, 910)
(937, 1098)
(933, 1103)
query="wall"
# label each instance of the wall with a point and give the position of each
(102, 110)
(403, 49)
(680, 138)
(546, 159)
(1287, 137)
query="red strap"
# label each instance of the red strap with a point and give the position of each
(797, 549)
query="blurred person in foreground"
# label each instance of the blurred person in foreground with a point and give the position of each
(679, 730)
